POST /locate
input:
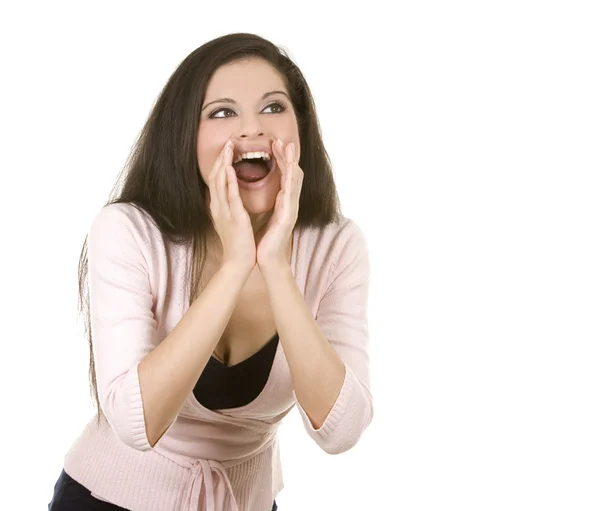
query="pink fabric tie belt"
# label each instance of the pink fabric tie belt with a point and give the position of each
(215, 497)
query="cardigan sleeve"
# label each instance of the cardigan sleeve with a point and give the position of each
(123, 326)
(342, 318)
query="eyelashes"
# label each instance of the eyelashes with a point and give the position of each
(280, 106)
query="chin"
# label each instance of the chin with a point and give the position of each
(259, 203)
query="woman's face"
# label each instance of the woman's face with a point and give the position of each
(247, 102)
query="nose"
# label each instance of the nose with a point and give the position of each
(250, 126)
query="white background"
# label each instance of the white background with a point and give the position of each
(465, 139)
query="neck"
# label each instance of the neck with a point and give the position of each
(259, 224)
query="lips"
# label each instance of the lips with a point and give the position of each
(254, 155)
(239, 151)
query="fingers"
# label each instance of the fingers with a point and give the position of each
(279, 153)
(212, 193)
(218, 161)
(290, 153)
(224, 187)
(285, 156)
(222, 178)
(290, 156)
(236, 205)
(218, 179)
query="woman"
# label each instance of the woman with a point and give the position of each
(225, 288)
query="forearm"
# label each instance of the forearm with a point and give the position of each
(316, 369)
(169, 373)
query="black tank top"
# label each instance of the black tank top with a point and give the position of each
(221, 386)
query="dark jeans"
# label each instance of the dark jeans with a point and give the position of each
(69, 495)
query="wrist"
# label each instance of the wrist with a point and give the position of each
(236, 271)
(275, 269)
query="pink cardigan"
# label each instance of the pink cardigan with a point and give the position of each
(208, 460)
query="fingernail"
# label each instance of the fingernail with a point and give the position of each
(280, 142)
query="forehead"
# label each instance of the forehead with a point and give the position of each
(244, 80)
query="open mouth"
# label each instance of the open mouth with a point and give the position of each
(254, 166)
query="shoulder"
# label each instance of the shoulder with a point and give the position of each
(335, 238)
(348, 236)
(116, 220)
(117, 215)
(335, 248)
(123, 231)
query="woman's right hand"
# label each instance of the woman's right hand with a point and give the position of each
(230, 218)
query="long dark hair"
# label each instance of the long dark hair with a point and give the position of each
(161, 176)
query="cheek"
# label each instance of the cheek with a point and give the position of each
(286, 129)
(210, 143)
(294, 136)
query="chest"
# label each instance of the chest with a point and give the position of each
(250, 327)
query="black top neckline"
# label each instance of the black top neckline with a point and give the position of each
(215, 361)
(222, 387)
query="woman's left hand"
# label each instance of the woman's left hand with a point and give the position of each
(272, 247)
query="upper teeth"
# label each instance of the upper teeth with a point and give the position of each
(247, 156)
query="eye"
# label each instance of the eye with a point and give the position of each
(214, 115)
(223, 113)
(279, 107)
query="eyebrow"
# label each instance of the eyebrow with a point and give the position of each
(229, 100)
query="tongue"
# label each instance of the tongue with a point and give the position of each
(247, 171)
